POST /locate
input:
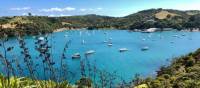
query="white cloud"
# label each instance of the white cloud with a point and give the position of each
(18, 9)
(83, 10)
(91, 9)
(193, 6)
(64, 15)
(58, 15)
(99, 8)
(58, 9)
(24, 14)
(51, 15)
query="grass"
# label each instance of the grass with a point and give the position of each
(22, 82)
(164, 14)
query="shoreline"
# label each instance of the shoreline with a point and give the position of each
(64, 29)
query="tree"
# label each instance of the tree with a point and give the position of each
(29, 14)
(168, 16)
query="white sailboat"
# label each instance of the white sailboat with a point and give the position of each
(83, 41)
(76, 56)
(90, 52)
(80, 33)
(145, 48)
(66, 35)
(41, 38)
(105, 41)
(123, 49)
(110, 44)
(143, 39)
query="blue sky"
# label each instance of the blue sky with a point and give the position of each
(115, 8)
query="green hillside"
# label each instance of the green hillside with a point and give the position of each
(184, 72)
(159, 18)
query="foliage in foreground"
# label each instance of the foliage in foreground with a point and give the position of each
(22, 82)
(31, 67)
(15, 82)
(184, 72)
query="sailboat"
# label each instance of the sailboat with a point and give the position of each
(41, 38)
(89, 52)
(143, 39)
(66, 35)
(76, 56)
(110, 44)
(145, 48)
(123, 49)
(80, 33)
(83, 41)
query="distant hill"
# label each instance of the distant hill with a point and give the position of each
(193, 12)
(160, 18)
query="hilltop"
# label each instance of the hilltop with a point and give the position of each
(159, 18)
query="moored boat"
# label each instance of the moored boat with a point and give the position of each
(175, 35)
(90, 52)
(123, 49)
(66, 35)
(83, 41)
(41, 38)
(183, 34)
(76, 56)
(145, 48)
(105, 41)
(150, 30)
(110, 44)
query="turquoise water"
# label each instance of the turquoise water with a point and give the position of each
(163, 46)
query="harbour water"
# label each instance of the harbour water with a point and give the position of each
(162, 48)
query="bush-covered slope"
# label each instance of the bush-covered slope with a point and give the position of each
(28, 25)
(184, 72)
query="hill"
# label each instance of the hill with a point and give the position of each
(28, 25)
(193, 12)
(184, 72)
(159, 18)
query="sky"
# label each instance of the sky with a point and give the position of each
(115, 8)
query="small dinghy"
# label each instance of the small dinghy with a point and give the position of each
(123, 49)
(90, 52)
(76, 56)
